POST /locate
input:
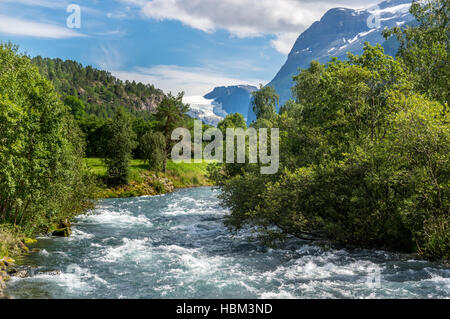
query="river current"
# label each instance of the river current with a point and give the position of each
(176, 246)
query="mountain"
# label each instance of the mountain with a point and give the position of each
(221, 101)
(99, 90)
(202, 109)
(338, 32)
(231, 99)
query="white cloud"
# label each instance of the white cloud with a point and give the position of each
(16, 26)
(192, 80)
(284, 42)
(246, 18)
(108, 57)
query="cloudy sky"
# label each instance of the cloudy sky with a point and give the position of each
(177, 45)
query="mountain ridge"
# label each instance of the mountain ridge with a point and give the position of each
(339, 31)
(100, 91)
(231, 99)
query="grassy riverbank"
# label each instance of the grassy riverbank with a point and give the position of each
(146, 182)
(142, 182)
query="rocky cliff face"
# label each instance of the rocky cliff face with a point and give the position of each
(150, 104)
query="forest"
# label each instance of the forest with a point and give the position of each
(99, 91)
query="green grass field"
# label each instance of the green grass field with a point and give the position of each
(180, 174)
(98, 167)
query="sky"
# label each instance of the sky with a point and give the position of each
(177, 45)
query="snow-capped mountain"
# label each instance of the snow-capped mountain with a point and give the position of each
(202, 109)
(231, 99)
(338, 32)
(215, 105)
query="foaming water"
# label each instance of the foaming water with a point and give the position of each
(176, 246)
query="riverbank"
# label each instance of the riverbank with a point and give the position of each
(144, 182)
(11, 243)
(4, 277)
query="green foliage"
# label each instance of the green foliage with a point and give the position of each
(9, 240)
(159, 187)
(76, 106)
(42, 176)
(235, 120)
(364, 160)
(240, 193)
(153, 149)
(424, 48)
(99, 91)
(140, 127)
(170, 114)
(415, 154)
(96, 134)
(119, 148)
(265, 102)
(348, 99)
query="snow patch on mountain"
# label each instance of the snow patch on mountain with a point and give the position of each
(202, 109)
(338, 32)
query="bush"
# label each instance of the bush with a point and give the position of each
(9, 240)
(159, 187)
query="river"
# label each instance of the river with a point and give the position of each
(176, 246)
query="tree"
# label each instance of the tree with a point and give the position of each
(235, 120)
(348, 99)
(153, 149)
(265, 102)
(95, 131)
(76, 106)
(42, 176)
(415, 154)
(119, 148)
(232, 121)
(170, 114)
(424, 48)
(141, 127)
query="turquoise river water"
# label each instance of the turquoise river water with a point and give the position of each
(176, 246)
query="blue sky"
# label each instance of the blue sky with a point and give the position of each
(189, 45)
